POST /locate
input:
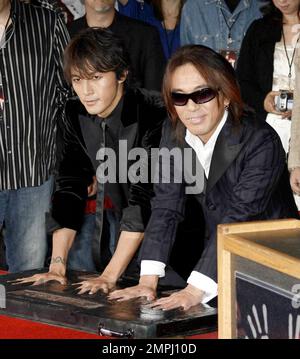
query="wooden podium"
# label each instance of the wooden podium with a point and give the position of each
(259, 280)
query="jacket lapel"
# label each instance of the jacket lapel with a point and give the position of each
(227, 148)
(129, 119)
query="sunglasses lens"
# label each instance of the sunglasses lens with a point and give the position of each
(179, 99)
(204, 95)
(201, 96)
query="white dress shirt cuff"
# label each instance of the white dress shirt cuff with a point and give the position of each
(206, 284)
(153, 268)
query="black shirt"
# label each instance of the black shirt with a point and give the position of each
(96, 137)
(232, 4)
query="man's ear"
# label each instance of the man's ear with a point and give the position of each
(123, 77)
(226, 103)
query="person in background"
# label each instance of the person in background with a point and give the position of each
(166, 19)
(56, 5)
(245, 176)
(32, 93)
(75, 8)
(266, 65)
(218, 24)
(294, 152)
(136, 9)
(141, 40)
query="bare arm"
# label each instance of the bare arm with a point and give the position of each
(62, 241)
(127, 246)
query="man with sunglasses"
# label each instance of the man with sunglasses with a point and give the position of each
(245, 176)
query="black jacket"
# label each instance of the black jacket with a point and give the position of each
(142, 116)
(143, 45)
(248, 180)
(255, 64)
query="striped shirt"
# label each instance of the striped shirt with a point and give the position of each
(31, 71)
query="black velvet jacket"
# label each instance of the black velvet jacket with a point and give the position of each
(255, 64)
(142, 117)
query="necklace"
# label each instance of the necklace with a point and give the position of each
(229, 27)
(290, 62)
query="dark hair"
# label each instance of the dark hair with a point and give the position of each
(95, 49)
(213, 67)
(269, 9)
(157, 9)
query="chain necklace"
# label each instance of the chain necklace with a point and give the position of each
(290, 62)
(229, 27)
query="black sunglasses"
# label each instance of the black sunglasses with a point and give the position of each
(201, 96)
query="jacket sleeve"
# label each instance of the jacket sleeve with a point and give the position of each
(264, 165)
(135, 217)
(167, 211)
(75, 174)
(247, 64)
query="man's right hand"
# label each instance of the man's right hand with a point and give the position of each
(133, 292)
(146, 288)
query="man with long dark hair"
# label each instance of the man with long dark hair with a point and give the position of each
(244, 171)
(106, 116)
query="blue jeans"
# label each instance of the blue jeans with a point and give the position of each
(23, 212)
(80, 255)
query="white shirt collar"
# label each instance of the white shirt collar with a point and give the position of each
(203, 151)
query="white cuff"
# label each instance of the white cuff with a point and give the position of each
(153, 268)
(206, 284)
